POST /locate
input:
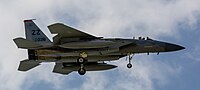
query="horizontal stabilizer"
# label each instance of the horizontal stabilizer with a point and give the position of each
(26, 65)
(26, 44)
(58, 68)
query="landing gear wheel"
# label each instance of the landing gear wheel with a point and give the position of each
(81, 71)
(81, 60)
(129, 65)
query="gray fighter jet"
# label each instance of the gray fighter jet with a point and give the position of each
(74, 50)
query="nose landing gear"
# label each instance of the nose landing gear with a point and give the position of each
(129, 65)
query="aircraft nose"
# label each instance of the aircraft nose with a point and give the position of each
(173, 47)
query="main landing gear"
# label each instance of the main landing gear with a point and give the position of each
(82, 70)
(130, 56)
(81, 61)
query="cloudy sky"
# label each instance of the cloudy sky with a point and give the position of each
(175, 21)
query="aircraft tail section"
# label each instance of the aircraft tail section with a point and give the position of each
(26, 65)
(33, 33)
(26, 44)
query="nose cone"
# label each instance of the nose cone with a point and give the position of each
(173, 47)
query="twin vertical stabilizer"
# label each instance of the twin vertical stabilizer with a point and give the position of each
(33, 33)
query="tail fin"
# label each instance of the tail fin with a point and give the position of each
(33, 33)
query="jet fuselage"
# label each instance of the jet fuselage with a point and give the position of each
(106, 50)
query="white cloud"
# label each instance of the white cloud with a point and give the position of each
(95, 81)
(193, 52)
(125, 18)
(136, 17)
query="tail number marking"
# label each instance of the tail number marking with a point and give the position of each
(35, 32)
(40, 39)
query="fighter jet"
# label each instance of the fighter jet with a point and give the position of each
(74, 50)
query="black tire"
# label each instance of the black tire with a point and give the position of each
(129, 65)
(82, 71)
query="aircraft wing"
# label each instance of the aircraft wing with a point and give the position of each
(58, 68)
(64, 31)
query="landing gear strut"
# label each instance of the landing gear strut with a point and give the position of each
(82, 70)
(129, 65)
(81, 61)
